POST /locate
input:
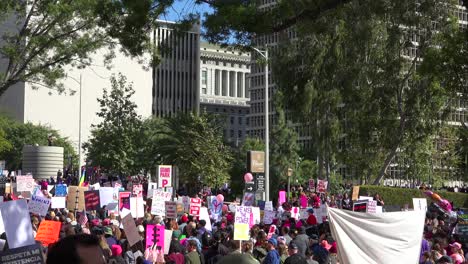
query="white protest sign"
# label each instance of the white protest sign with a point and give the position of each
(24, 183)
(420, 204)
(256, 215)
(205, 216)
(269, 206)
(137, 207)
(95, 186)
(372, 207)
(268, 217)
(106, 195)
(295, 213)
(39, 205)
(17, 223)
(366, 198)
(151, 186)
(158, 206)
(171, 209)
(58, 202)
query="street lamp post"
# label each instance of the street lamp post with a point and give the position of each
(264, 54)
(79, 119)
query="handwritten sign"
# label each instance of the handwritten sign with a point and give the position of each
(171, 209)
(372, 207)
(130, 230)
(138, 190)
(158, 206)
(164, 176)
(124, 200)
(48, 232)
(195, 204)
(60, 190)
(24, 183)
(268, 217)
(92, 201)
(241, 222)
(322, 186)
(29, 254)
(38, 205)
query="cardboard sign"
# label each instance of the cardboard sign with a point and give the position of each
(268, 217)
(241, 222)
(92, 201)
(195, 204)
(38, 205)
(75, 198)
(360, 206)
(48, 232)
(25, 183)
(420, 204)
(372, 207)
(158, 206)
(138, 190)
(17, 223)
(130, 230)
(355, 194)
(124, 200)
(137, 208)
(155, 235)
(322, 186)
(58, 202)
(171, 209)
(312, 185)
(60, 190)
(164, 176)
(29, 254)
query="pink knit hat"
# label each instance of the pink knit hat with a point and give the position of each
(116, 250)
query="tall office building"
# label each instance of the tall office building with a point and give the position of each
(176, 78)
(224, 88)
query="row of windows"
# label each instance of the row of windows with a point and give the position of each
(232, 134)
(226, 64)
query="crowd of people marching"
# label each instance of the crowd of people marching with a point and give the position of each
(98, 237)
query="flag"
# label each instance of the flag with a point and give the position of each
(83, 176)
(83, 219)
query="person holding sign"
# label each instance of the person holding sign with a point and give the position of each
(379, 200)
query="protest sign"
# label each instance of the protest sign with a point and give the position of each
(322, 186)
(232, 207)
(268, 217)
(124, 200)
(271, 231)
(311, 185)
(420, 204)
(295, 213)
(117, 184)
(137, 208)
(130, 229)
(75, 198)
(48, 232)
(17, 223)
(255, 215)
(38, 205)
(366, 198)
(372, 207)
(205, 216)
(304, 201)
(92, 201)
(60, 190)
(241, 222)
(30, 254)
(167, 241)
(164, 176)
(24, 183)
(268, 206)
(248, 199)
(137, 190)
(216, 208)
(171, 209)
(106, 195)
(195, 204)
(158, 206)
(303, 214)
(155, 235)
(186, 203)
(151, 186)
(58, 202)
(355, 194)
(281, 197)
(169, 190)
(360, 206)
(95, 186)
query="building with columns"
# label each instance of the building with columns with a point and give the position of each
(224, 88)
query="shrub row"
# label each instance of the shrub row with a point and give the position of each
(401, 196)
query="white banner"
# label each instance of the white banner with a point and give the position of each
(377, 238)
(164, 176)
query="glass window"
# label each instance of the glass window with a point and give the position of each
(204, 77)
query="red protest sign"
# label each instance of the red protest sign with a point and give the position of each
(48, 232)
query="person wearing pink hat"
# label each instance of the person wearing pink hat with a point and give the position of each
(457, 256)
(116, 255)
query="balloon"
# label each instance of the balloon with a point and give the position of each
(248, 177)
(224, 208)
(220, 198)
(444, 204)
(436, 197)
(428, 193)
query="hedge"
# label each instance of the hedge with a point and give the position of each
(400, 196)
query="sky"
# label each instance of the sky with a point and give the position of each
(184, 7)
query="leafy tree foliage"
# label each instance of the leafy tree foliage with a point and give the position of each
(113, 143)
(15, 135)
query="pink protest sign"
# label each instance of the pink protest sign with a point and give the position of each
(155, 234)
(282, 197)
(164, 176)
(195, 204)
(303, 201)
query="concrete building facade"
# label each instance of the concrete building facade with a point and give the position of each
(224, 88)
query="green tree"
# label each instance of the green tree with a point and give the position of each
(113, 142)
(307, 170)
(41, 37)
(16, 135)
(195, 145)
